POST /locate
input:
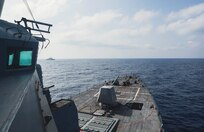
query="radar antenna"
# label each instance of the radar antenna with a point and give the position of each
(33, 25)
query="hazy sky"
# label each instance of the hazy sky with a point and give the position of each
(117, 28)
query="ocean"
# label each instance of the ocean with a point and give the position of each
(177, 85)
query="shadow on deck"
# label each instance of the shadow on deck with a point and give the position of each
(122, 110)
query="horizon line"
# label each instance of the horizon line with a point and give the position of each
(124, 58)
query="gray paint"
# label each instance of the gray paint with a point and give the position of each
(20, 108)
(9, 43)
(29, 116)
(15, 32)
(23, 105)
(107, 96)
(145, 120)
(1, 6)
(97, 123)
(13, 90)
(65, 115)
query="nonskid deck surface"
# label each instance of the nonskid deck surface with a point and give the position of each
(136, 109)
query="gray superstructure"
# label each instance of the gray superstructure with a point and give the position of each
(23, 107)
(25, 103)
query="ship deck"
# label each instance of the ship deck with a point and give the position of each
(136, 109)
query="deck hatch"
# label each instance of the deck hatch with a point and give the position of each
(91, 123)
(135, 106)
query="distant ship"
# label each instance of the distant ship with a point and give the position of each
(50, 58)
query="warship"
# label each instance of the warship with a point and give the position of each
(122, 105)
(50, 58)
